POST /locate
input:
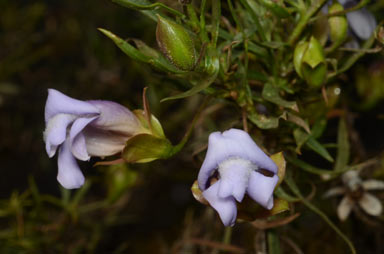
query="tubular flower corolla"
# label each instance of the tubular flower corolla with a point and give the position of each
(81, 129)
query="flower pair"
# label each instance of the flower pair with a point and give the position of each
(81, 129)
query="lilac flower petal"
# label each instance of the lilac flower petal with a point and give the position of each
(79, 148)
(336, 191)
(362, 23)
(69, 174)
(373, 184)
(216, 153)
(58, 102)
(115, 117)
(344, 208)
(252, 151)
(78, 145)
(226, 207)
(102, 143)
(234, 175)
(261, 189)
(56, 131)
(232, 143)
(371, 204)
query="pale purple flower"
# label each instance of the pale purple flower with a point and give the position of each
(81, 129)
(238, 161)
(355, 193)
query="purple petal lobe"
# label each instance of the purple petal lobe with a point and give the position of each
(115, 117)
(344, 208)
(232, 143)
(69, 175)
(261, 188)
(79, 148)
(58, 102)
(362, 23)
(226, 207)
(78, 145)
(252, 152)
(56, 131)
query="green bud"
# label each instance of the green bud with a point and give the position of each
(309, 62)
(338, 24)
(176, 44)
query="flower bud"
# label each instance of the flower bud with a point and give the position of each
(309, 62)
(338, 24)
(176, 44)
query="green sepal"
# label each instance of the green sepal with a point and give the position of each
(155, 129)
(314, 54)
(279, 160)
(249, 210)
(144, 148)
(315, 77)
(309, 62)
(298, 56)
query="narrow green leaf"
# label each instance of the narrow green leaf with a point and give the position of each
(216, 15)
(311, 169)
(319, 148)
(147, 7)
(280, 192)
(143, 53)
(319, 127)
(264, 122)
(342, 158)
(271, 93)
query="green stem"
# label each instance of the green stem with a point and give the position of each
(193, 17)
(203, 31)
(227, 235)
(216, 14)
(154, 6)
(353, 58)
(304, 20)
(187, 135)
